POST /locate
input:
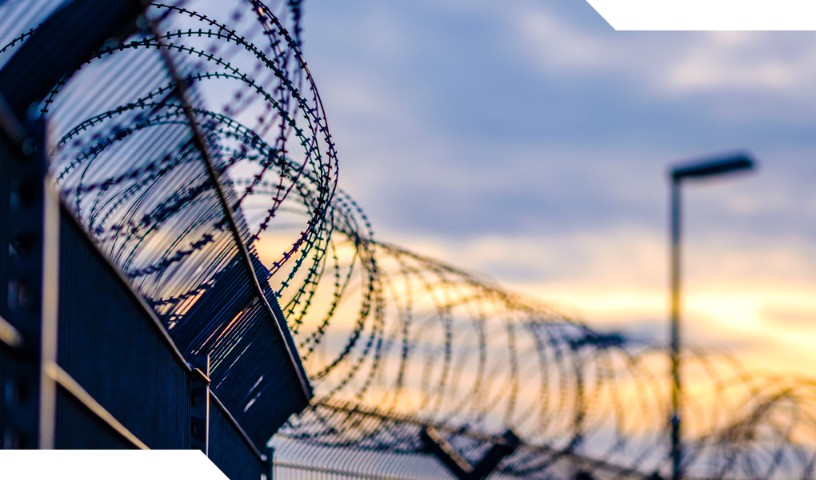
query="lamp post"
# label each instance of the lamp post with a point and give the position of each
(719, 166)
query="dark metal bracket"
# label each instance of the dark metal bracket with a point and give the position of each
(434, 442)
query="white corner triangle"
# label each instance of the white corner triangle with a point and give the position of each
(107, 464)
(699, 15)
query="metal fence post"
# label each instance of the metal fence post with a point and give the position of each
(200, 404)
(29, 246)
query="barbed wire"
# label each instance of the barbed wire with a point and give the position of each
(392, 340)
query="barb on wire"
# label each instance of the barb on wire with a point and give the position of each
(392, 341)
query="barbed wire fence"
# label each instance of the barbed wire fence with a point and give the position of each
(393, 342)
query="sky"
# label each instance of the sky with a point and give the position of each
(529, 141)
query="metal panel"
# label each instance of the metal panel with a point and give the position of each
(110, 343)
(79, 428)
(231, 450)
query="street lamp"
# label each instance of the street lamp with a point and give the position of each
(719, 166)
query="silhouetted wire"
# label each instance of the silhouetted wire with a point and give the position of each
(391, 340)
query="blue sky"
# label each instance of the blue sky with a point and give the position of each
(529, 141)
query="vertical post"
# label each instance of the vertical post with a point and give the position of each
(717, 167)
(270, 458)
(200, 404)
(49, 306)
(30, 246)
(10, 337)
(676, 386)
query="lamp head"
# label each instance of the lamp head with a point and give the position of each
(718, 166)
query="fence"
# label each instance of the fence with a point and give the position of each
(85, 361)
(117, 380)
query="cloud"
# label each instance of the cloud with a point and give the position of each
(473, 118)
(753, 302)
(753, 62)
(798, 317)
(529, 141)
(665, 63)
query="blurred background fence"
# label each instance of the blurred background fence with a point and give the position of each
(179, 269)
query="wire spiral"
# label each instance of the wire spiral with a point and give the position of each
(392, 340)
